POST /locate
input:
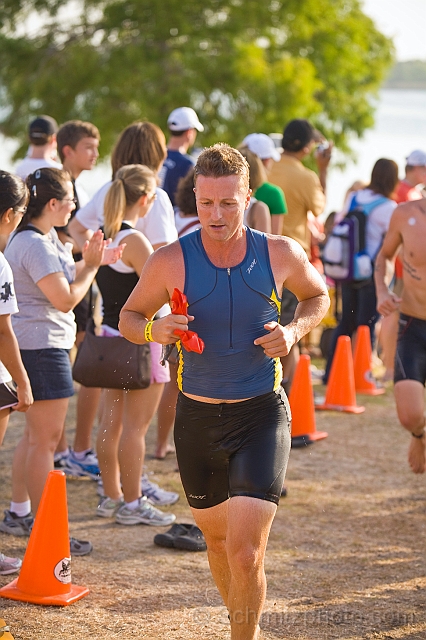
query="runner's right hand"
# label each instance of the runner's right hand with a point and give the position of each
(163, 329)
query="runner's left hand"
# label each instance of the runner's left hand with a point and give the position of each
(278, 342)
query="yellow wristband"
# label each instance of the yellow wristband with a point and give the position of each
(148, 331)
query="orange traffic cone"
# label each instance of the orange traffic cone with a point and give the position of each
(364, 381)
(5, 631)
(303, 428)
(45, 576)
(340, 395)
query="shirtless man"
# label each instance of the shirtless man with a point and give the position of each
(232, 428)
(408, 229)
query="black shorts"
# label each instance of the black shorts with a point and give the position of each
(233, 449)
(8, 395)
(410, 358)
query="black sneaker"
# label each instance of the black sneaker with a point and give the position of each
(192, 540)
(167, 539)
(16, 525)
(80, 547)
(182, 536)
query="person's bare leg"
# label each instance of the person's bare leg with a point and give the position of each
(249, 524)
(213, 522)
(237, 563)
(166, 414)
(108, 439)
(4, 419)
(45, 419)
(62, 444)
(19, 483)
(87, 409)
(387, 338)
(139, 409)
(410, 405)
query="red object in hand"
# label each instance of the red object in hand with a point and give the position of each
(190, 340)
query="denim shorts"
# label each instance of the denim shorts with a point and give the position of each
(49, 371)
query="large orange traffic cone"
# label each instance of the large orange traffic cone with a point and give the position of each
(340, 394)
(303, 428)
(364, 381)
(5, 631)
(45, 576)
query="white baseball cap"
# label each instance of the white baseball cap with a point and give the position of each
(184, 118)
(262, 145)
(417, 159)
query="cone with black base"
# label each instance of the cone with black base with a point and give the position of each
(301, 399)
(340, 394)
(45, 576)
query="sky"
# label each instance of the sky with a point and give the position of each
(404, 21)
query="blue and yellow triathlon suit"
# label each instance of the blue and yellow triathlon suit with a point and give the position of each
(232, 448)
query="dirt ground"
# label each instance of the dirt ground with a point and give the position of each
(346, 557)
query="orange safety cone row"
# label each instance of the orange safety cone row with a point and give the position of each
(301, 398)
(45, 576)
(364, 381)
(340, 394)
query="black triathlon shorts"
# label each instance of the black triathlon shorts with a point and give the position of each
(233, 449)
(410, 358)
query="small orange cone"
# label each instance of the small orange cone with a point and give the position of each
(340, 395)
(45, 576)
(364, 381)
(303, 428)
(5, 631)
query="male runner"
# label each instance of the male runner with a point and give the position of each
(232, 429)
(408, 229)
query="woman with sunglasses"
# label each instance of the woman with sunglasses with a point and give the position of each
(48, 285)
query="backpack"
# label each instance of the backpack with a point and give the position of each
(344, 256)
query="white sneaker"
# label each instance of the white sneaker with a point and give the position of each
(107, 508)
(9, 565)
(144, 513)
(89, 466)
(100, 488)
(156, 496)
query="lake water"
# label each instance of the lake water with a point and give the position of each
(400, 128)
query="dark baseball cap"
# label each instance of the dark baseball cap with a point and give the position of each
(42, 127)
(298, 133)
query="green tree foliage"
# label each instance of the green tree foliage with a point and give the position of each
(244, 65)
